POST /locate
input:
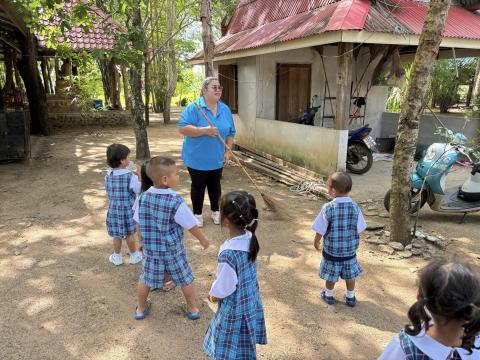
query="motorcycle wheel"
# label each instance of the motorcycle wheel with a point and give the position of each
(417, 200)
(359, 158)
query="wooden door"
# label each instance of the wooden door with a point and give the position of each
(293, 90)
(227, 76)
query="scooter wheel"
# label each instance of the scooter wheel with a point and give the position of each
(359, 158)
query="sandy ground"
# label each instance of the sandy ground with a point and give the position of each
(61, 299)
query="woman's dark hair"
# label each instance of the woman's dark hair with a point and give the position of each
(240, 209)
(449, 290)
(147, 183)
(115, 154)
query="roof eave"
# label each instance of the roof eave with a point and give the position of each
(353, 36)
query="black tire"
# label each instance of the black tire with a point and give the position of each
(359, 158)
(413, 204)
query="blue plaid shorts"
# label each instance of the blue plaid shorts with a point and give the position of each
(154, 269)
(332, 270)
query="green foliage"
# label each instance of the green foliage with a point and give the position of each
(444, 84)
(395, 93)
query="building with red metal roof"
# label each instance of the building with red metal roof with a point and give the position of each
(279, 56)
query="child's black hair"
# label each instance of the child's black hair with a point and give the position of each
(240, 208)
(449, 290)
(147, 183)
(115, 154)
(341, 182)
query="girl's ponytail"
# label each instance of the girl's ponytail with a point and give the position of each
(471, 328)
(254, 245)
(418, 317)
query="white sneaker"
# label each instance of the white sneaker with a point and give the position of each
(199, 220)
(135, 258)
(216, 217)
(116, 259)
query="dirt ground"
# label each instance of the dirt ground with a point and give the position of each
(60, 298)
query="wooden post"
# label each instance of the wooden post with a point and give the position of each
(344, 77)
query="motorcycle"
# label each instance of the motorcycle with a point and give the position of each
(309, 113)
(360, 150)
(429, 180)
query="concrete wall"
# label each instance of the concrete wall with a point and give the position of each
(319, 149)
(389, 123)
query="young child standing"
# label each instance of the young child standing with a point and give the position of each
(445, 320)
(339, 224)
(162, 216)
(121, 186)
(239, 323)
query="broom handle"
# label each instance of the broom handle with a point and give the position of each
(229, 150)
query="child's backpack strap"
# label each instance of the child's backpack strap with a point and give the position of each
(409, 349)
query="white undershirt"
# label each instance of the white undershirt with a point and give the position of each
(183, 217)
(226, 281)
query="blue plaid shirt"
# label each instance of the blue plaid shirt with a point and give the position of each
(160, 233)
(339, 222)
(119, 191)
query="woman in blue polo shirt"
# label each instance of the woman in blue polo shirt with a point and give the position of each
(203, 153)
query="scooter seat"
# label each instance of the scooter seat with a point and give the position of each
(359, 130)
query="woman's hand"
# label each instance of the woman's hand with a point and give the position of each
(210, 131)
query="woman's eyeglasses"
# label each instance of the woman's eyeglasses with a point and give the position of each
(217, 88)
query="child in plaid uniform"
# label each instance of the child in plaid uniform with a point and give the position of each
(162, 216)
(446, 317)
(239, 323)
(121, 186)
(339, 223)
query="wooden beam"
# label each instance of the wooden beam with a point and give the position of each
(344, 77)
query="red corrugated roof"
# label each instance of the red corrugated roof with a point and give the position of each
(263, 22)
(100, 37)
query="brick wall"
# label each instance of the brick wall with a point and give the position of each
(100, 118)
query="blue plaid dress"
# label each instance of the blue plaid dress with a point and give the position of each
(414, 353)
(239, 323)
(162, 241)
(340, 242)
(120, 221)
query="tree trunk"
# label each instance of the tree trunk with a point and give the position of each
(49, 75)
(476, 87)
(147, 91)
(207, 36)
(344, 77)
(9, 69)
(37, 99)
(408, 124)
(46, 85)
(139, 125)
(171, 62)
(111, 89)
(126, 93)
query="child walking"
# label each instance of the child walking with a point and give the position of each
(239, 323)
(147, 183)
(339, 224)
(121, 186)
(445, 320)
(162, 216)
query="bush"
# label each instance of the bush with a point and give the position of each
(444, 84)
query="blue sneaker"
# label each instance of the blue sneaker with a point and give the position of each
(330, 300)
(352, 302)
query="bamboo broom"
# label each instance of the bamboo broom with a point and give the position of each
(271, 203)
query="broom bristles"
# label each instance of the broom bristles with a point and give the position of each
(274, 206)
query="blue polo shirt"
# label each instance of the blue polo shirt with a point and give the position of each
(206, 152)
